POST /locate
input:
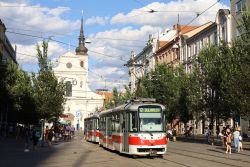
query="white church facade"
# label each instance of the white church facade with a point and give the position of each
(72, 69)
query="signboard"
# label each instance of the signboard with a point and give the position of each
(78, 114)
(150, 109)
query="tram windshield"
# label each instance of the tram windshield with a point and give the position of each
(150, 119)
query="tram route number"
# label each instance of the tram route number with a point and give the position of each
(149, 110)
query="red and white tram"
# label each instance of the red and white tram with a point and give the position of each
(136, 128)
(91, 128)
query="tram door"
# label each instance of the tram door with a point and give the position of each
(125, 132)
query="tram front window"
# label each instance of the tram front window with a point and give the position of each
(150, 122)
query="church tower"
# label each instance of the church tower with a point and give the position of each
(72, 69)
(81, 49)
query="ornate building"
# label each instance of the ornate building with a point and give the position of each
(73, 70)
(7, 53)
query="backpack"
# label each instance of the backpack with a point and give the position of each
(37, 134)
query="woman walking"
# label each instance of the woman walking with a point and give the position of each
(229, 141)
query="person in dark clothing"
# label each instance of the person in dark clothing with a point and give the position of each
(50, 137)
(34, 137)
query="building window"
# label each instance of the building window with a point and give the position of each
(240, 6)
(239, 30)
(68, 89)
(215, 38)
(82, 64)
(189, 51)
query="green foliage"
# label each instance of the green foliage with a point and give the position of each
(168, 86)
(49, 94)
(20, 94)
(118, 98)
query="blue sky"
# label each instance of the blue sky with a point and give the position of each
(114, 27)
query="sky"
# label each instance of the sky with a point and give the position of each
(113, 29)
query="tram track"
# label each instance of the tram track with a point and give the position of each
(150, 163)
(209, 160)
(216, 156)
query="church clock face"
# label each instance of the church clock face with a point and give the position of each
(68, 65)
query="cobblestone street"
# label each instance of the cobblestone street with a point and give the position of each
(81, 153)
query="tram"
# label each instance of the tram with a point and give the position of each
(136, 128)
(91, 128)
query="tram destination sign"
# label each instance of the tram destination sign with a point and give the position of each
(149, 109)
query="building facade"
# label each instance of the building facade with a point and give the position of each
(7, 53)
(139, 65)
(72, 69)
(169, 53)
(236, 8)
(192, 42)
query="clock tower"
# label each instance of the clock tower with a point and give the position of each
(72, 69)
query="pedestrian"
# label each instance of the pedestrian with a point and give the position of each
(240, 144)
(217, 131)
(27, 138)
(46, 132)
(207, 134)
(174, 133)
(222, 134)
(229, 141)
(236, 135)
(35, 137)
(50, 137)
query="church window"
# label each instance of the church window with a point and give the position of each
(82, 64)
(68, 65)
(68, 89)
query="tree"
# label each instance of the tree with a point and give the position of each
(118, 98)
(236, 74)
(20, 94)
(163, 84)
(209, 70)
(49, 93)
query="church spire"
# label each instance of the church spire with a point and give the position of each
(81, 49)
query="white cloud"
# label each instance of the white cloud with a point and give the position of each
(97, 20)
(115, 47)
(36, 20)
(27, 53)
(58, 11)
(168, 13)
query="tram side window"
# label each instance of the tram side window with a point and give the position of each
(117, 123)
(133, 122)
(94, 124)
(90, 125)
(97, 124)
(113, 123)
(102, 125)
(109, 130)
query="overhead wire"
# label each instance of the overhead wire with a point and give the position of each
(61, 43)
(198, 15)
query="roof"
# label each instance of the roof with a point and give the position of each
(185, 28)
(162, 43)
(197, 30)
(106, 95)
